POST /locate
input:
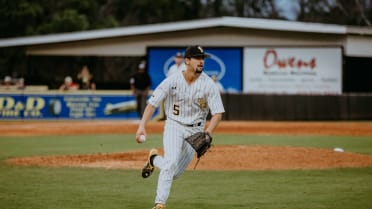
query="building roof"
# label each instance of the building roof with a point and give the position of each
(233, 22)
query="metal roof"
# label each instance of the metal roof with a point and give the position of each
(235, 22)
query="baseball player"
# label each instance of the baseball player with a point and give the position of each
(188, 97)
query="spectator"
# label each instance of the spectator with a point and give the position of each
(21, 84)
(85, 79)
(68, 85)
(140, 83)
(178, 66)
(8, 80)
(7, 83)
(218, 84)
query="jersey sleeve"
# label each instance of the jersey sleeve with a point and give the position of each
(215, 101)
(159, 93)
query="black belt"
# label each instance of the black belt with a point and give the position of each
(194, 125)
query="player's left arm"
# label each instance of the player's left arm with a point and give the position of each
(216, 108)
(216, 118)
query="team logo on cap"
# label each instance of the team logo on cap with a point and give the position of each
(200, 49)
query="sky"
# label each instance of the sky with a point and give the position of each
(288, 8)
(291, 8)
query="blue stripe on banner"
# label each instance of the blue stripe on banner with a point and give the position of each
(67, 106)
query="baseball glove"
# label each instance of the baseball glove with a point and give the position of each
(201, 142)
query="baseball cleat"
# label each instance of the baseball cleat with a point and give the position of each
(159, 206)
(148, 168)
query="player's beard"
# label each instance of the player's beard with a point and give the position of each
(199, 70)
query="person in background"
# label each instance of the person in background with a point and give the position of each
(20, 84)
(8, 83)
(85, 79)
(140, 83)
(178, 66)
(218, 84)
(68, 85)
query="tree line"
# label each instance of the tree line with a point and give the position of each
(34, 17)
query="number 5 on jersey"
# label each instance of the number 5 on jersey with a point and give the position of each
(176, 109)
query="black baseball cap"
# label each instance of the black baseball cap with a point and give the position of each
(196, 52)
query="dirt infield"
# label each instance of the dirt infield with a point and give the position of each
(220, 157)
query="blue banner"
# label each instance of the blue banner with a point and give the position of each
(67, 106)
(225, 63)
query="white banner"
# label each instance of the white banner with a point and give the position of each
(293, 70)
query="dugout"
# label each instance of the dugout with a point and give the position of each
(112, 54)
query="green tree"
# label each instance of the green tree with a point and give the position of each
(34, 17)
(65, 21)
(343, 12)
(130, 12)
(18, 17)
(256, 9)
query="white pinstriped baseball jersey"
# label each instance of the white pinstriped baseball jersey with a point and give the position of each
(188, 103)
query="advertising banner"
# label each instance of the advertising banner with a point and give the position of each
(225, 63)
(293, 70)
(67, 106)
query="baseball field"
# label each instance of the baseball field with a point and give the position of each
(258, 165)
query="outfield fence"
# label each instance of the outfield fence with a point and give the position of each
(298, 107)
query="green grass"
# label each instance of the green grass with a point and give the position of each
(83, 188)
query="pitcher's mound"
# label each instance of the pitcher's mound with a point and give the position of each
(219, 158)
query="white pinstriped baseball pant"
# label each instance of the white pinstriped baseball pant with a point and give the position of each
(177, 156)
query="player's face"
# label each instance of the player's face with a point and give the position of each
(197, 63)
(178, 60)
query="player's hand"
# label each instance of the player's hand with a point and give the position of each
(140, 131)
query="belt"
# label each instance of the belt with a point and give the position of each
(188, 125)
(193, 125)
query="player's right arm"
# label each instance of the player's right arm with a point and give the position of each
(157, 96)
(147, 114)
